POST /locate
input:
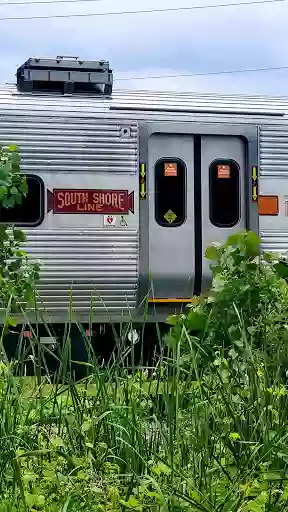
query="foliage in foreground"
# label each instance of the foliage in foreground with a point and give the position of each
(208, 432)
(18, 275)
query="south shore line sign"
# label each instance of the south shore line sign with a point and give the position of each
(90, 201)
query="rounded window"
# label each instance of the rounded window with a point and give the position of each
(224, 178)
(31, 210)
(170, 192)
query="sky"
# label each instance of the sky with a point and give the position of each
(140, 45)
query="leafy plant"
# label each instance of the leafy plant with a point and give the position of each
(13, 185)
(207, 432)
(17, 274)
(243, 283)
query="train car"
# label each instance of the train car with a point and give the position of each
(128, 188)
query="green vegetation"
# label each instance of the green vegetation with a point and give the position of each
(17, 275)
(208, 431)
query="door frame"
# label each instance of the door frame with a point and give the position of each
(147, 128)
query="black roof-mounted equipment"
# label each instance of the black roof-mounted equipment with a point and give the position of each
(65, 74)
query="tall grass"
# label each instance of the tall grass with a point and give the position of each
(207, 431)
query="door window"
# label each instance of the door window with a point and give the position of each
(224, 180)
(170, 192)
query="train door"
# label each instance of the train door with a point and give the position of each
(199, 192)
(222, 192)
(171, 215)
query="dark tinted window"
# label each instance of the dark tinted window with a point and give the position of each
(170, 192)
(224, 193)
(31, 210)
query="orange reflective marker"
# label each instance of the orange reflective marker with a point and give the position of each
(173, 300)
(166, 301)
(268, 205)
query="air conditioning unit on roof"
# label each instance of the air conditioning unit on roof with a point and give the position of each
(65, 74)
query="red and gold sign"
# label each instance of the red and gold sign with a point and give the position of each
(170, 169)
(90, 201)
(224, 171)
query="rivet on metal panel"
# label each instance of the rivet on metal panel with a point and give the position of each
(125, 131)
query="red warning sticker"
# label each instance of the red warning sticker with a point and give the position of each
(170, 169)
(224, 171)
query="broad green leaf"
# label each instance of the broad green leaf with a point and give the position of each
(173, 320)
(18, 199)
(57, 442)
(81, 475)
(3, 191)
(161, 469)
(19, 235)
(14, 191)
(216, 269)
(212, 253)
(252, 243)
(34, 500)
(15, 265)
(29, 476)
(196, 321)
(8, 202)
(225, 375)
(282, 269)
(234, 240)
(170, 340)
(4, 237)
(232, 353)
(255, 507)
(20, 254)
(12, 322)
(23, 188)
(268, 256)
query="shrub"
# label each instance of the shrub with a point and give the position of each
(247, 289)
(18, 275)
(206, 433)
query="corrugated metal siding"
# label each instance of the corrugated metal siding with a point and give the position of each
(90, 105)
(169, 101)
(198, 107)
(274, 151)
(59, 135)
(98, 262)
(274, 241)
(83, 133)
(67, 134)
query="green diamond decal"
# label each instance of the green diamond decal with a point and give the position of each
(170, 216)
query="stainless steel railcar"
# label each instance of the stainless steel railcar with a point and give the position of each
(129, 188)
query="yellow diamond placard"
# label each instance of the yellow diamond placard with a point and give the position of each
(170, 216)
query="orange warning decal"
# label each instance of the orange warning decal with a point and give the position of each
(224, 171)
(170, 169)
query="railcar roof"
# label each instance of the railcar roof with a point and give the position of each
(156, 101)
